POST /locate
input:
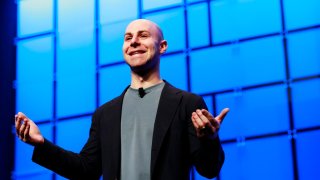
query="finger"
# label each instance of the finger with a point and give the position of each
(19, 118)
(22, 129)
(222, 115)
(22, 115)
(26, 132)
(206, 113)
(198, 120)
(195, 124)
(17, 121)
(204, 118)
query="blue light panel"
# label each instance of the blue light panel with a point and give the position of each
(254, 112)
(35, 78)
(232, 66)
(150, 4)
(262, 159)
(303, 48)
(76, 70)
(113, 81)
(70, 139)
(191, 1)
(115, 11)
(178, 77)
(75, 15)
(232, 20)
(173, 27)
(209, 101)
(308, 148)
(306, 103)
(36, 176)
(34, 16)
(299, 14)
(198, 30)
(110, 42)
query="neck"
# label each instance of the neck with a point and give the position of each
(148, 79)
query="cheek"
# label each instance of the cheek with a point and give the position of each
(124, 48)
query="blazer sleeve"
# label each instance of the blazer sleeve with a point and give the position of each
(206, 153)
(83, 165)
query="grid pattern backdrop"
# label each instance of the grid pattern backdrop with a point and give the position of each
(259, 57)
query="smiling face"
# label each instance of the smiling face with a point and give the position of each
(143, 44)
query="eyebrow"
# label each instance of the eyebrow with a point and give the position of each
(141, 31)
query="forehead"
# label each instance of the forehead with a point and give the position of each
(141, 25)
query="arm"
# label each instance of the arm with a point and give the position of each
(86, 165)
(207, 153)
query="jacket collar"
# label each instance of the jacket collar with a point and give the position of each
(169, 101)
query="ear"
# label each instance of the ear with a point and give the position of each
(163, 46)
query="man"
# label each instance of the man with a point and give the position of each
(151, 131)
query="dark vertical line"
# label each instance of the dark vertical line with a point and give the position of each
(55, 19)
(289, 94)
(97, 48)
(187, 53)
(214, 105)
(209, 22)
(140, 9)
(8, 31)
(55, 45)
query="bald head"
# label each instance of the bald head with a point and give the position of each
(144, 23)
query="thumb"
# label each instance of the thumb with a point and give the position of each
(222, 114)
(21, 115)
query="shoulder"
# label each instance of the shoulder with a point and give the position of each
(187, 97)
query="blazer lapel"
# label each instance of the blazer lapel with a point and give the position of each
(169, 101)
(113, 128)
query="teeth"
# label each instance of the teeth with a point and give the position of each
(137, 52)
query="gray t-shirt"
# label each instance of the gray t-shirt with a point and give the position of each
(137, 121)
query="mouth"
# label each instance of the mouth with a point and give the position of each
(136, 52)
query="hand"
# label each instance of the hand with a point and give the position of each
(205, 124)
(27, 130)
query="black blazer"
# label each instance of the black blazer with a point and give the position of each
(175, 146)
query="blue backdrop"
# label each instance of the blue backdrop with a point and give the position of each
(259, 57)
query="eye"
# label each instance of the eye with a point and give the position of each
(127, 38)
(144, 35)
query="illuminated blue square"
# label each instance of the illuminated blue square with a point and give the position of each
(34, 16)
(173, 26)
(306, 103)
(232, 66)
(43, 175)
(308, 148)
(70, 139)
(76, 73)
(35, 78)
(178, 77)
(111, 41)
(75, 14)
(299, 14)
(209, 102)
(233, 20)
(262, 159)
(254, 112)
(150, 4)
(113, 81)
(304, 56)
(115, 11)
(198, 28)
(191, 1)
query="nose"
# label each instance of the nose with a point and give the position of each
(134, 41)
